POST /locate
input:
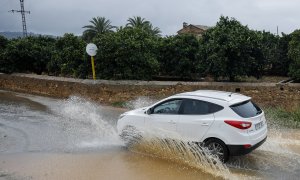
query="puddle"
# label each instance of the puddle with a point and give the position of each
(45, 138)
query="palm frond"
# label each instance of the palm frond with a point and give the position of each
(99, 25)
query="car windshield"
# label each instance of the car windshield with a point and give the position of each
(246, 109)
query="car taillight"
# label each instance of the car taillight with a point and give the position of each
(247, 146)
(239, 124)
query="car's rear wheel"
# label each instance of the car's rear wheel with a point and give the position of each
(131, 136)
(218, 148)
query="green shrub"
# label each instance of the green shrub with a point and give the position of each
(3, 60)
(231, 50)
(69, 57)
(30, 54)
(178, 56)
(294, 54)
(130, 53)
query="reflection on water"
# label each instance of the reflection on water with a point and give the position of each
(45, 138)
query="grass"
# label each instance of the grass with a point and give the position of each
(120, 104)
(269, 79)
(279, 116)
(251, 79)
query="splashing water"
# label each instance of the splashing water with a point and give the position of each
(84, 120)
(87, 112)
(140, 102)
(277, 143)
(171, 146)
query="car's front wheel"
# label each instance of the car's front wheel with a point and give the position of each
(218, 148)
(131, 136)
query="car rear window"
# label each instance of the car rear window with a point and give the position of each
(196, 107)
(246, 109)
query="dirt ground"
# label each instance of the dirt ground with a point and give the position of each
(118, 92)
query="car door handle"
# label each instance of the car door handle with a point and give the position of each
(205, 124)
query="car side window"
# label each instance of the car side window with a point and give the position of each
(197, 107)
(168, 107)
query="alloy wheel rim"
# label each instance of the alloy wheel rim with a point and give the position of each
(216, 149)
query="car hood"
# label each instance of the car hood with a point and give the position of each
(136, 111)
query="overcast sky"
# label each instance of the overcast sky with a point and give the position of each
(57, 17)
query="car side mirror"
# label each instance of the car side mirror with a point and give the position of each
(149, 111)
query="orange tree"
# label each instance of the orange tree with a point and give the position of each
(30, 54)
(129, 53)
(230, 49)
(178, 56)
(294, 54)
(69, 57)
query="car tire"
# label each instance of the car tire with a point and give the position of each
(131, 136)
(218, 148)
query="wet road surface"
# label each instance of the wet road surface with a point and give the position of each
(46, 138)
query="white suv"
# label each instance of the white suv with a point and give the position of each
(228, 124)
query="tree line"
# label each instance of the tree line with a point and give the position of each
(226, 51)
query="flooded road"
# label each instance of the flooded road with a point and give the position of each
(46, 138)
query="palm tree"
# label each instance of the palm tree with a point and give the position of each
(99, 25)
(139, 22)
(154, 30)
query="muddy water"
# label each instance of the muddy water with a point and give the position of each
(45, 138)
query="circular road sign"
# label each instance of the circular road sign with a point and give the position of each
(91, 49)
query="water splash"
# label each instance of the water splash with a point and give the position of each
(140, 102)
(277, 142)
(85, 123)
(171, 146)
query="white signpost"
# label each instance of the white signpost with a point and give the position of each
(91, 49)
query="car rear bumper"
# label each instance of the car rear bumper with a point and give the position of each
(238, 150)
